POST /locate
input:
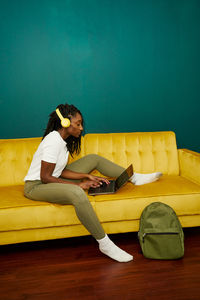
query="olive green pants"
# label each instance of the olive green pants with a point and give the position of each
(73, 194)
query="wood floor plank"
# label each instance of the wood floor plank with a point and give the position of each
(75, 269)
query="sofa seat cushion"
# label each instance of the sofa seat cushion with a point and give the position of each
(18, 212)
(127, 204)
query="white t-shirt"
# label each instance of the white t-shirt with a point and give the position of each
(52, 149)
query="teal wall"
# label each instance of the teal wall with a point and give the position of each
(128, 65)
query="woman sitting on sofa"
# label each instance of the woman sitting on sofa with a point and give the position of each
(67, 182)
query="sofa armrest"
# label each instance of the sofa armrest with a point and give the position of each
(189, 162)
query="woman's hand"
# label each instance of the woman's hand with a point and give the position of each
(85, 185)
(97, 179)
(93, 181)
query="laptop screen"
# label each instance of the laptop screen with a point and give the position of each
(124, 177)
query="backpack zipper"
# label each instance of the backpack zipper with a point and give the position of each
(156, 233)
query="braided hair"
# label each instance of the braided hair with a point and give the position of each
(67, 111)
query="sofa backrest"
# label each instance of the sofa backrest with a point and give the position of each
(15, 159)
(147, 151)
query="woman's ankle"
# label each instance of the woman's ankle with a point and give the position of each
(107, 247)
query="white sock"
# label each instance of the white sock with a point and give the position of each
(139, 179)
(107, 247)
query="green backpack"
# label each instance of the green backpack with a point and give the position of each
(160, 233)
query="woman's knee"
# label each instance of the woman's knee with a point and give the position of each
(79, 192)
(93, 157)
(78, 196)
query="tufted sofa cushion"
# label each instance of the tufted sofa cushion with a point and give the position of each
(147, 151)
(15, 159)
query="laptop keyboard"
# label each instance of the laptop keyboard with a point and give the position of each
(103, 184)
(104, 187)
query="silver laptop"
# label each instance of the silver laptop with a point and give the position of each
(114, 185)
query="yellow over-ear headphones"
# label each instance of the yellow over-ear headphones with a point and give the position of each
(65, 122)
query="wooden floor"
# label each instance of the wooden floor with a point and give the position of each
(75, 269)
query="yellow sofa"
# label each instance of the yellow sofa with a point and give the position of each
(23, 220)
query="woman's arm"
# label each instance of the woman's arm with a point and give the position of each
(47, 171)
(75, 175)
(68, 174)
